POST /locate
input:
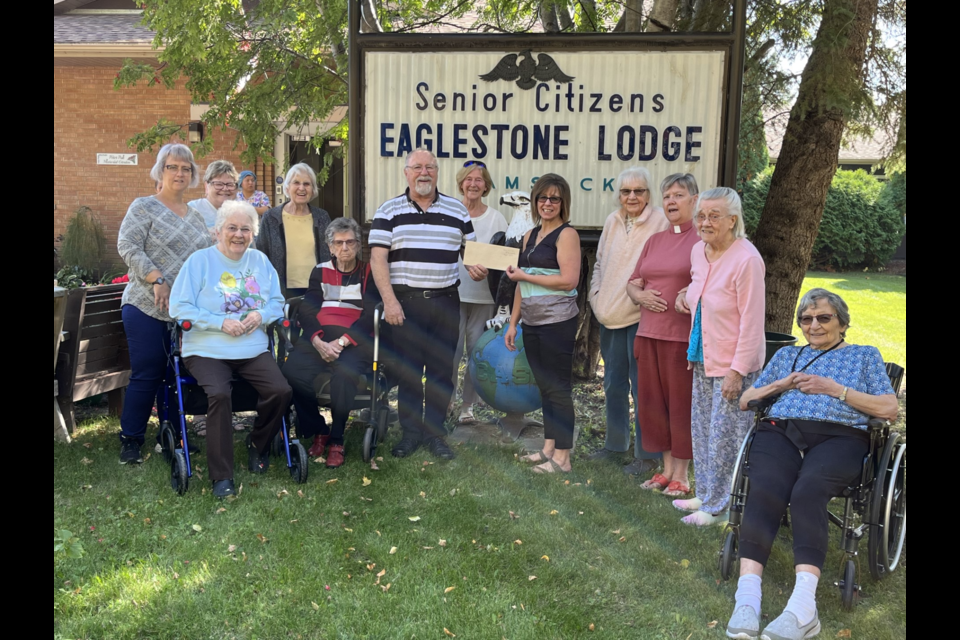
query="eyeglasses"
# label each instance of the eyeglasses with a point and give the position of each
(220, 186)
(418, 168)
(344, 243)
(471, 163)
(714, 218)
(675, 196)
(550, 199)
(640, 192)
(233, 229)
(822, 318)
(173, 168)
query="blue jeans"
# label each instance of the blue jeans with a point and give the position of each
(619, 384)
(148, 341)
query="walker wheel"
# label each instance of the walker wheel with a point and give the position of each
(179, 480)
(299, 463)
(168, 441)
(369, 444)
(276, 446)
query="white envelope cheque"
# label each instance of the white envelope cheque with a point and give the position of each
(491, 256)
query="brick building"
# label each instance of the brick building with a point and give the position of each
(91, 39)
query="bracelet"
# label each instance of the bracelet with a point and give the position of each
(843, 394)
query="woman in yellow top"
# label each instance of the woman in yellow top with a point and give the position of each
(292, 234)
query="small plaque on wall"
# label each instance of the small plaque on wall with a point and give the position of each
(118, 159)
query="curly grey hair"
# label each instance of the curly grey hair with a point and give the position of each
(303, 170)
(810, 299)
(232, 207)
(731, 199)
(632, 174)
(219, 168)
(342, 225)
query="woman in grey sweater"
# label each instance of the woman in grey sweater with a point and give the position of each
(156, 237)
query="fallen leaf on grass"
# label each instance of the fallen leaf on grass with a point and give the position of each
(176, 576)
(514, 516)
(366, 499)
(442, 543)
(239, 491)
(592, 627)
(685, 564)
(386, 587)
(547, 558)
(448, 590)
(146, 457)
(197, 528)
(315, 606)
(414, 518)
(449, 633)
(348, 530)
(453, 492)
(371, 567)
(518, 542)
(86, 487)
(622, 539)
(589, 482)
(532, 578)
(282, 493)
(87, 445)
(319, 460)
(367, 481)
(393, 550)
(373, 465)
(427, 463)
(332, 480)
(221, 510)
(86, 460)
(262, 538)
(379, 458)
(616, 533)
(711, 625)
(146, 521)
(382, 573)
(300, 493)
(845, 633)
(423, 494)
(231, 548)
(554, 512)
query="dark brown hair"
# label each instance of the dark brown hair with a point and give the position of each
(543, 184)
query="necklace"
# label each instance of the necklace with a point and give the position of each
(817, 357)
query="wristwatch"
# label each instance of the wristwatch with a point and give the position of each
(159, 280)
(843, 394)
(342, 341)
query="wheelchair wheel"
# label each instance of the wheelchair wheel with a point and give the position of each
(849, 590)
(168, 441)
(738, 488)
(179, 480)
(888, 509)
(729, 554)
(299, 463)
(369, 444)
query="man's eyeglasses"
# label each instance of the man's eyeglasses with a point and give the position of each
(640, 192)
(472, 163)
(550, 199)
(418, 168)
(822, 318)
(350, 244)
(220, 186)
(173, 168)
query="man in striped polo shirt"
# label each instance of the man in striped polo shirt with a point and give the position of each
(415, 240)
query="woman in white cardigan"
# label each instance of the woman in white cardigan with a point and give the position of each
(624, 234)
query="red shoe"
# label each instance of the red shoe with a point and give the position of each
(319, 446)
(335, 457)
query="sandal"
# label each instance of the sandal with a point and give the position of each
(658, 481)
(550, 466)
(541, 457)
(676, 489)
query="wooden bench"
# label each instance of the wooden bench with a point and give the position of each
(93, 358)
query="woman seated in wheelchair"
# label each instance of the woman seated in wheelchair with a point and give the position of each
(809, 447)
(336, 316)
(230, 293)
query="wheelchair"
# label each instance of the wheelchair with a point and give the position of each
(182, 388)
(875, 506)
(371, 400)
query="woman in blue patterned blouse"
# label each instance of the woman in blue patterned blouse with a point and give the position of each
(809, 449)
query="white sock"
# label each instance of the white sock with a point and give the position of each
(749, 592)
(803, 600)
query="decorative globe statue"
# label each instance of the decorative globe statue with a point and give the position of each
(503, 378)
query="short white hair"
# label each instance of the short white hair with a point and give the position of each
(234, 207)
(180, 152)
(731, 200)
(632, 174)
(301, 168)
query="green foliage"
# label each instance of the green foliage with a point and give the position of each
(84, 243)
(895, 193)
(74, 277)
(860, 228)
(67, 544)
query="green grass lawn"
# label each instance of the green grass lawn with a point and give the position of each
(479, 547)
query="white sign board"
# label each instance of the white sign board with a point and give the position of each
(601, 113)
(119, 159)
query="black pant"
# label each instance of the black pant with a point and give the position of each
(424, 348)
(549, 349)
(779, 476)
(301, 370)
(216, 378)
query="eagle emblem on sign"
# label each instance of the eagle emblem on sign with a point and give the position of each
(526, 71)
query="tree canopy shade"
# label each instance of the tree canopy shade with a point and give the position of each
(266, 66)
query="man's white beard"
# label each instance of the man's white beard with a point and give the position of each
(424, 188)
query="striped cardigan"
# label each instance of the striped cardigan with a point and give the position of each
(338, 303)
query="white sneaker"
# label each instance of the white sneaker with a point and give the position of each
(787, 627)
(744, 624)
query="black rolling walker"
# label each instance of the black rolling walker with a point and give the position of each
(876, 506)
(192, 400)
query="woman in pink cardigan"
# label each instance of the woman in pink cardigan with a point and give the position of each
(727, 346)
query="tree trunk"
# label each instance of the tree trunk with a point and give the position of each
(633, 15)
(586, 354)
(662, 16)
(830, 86)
